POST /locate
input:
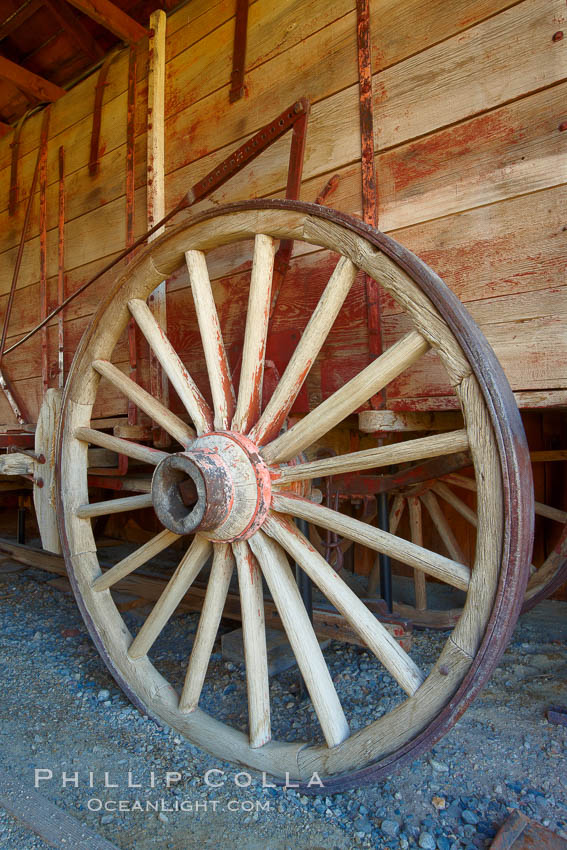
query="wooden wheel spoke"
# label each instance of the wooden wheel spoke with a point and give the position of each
(211, 613)
(541, 509)
(304, 643)
(116, 444)
(396, 513)
(255, 652)
(176, 588)
(451, 572)
(345, 400)
(423, 447)
(452, 499)
(416, 531)
(249, 402)
(551, 513)
(141, 556)
(160, 414)
(115, 506)
(371, 630)
(441, 523)
(211, 337)
(306, 352)
(186, 389)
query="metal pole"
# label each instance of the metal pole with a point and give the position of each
(385, 563)
(22, 526)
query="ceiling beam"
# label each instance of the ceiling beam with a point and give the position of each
(112, 18)
(75, 28)
(28, 82)
(17, 18)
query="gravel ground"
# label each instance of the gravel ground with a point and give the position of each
(61, 711)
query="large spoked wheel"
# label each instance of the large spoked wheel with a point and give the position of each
(418, 600)
(249, 479)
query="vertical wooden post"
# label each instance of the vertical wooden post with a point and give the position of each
(61, 267)
(130, 190)
(159, 387)
(43, 246)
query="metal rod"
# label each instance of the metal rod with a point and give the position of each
(21, 526)
(384, 560)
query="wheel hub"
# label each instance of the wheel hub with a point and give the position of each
(220, 488)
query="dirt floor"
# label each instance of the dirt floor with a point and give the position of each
(62, 713)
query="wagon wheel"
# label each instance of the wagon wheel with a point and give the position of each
(247, 495)
(428, 501)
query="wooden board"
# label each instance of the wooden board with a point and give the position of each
(51, 823)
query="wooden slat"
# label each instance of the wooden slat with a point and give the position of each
(506, 152)
(430, 90)
(156, 181)
(525, 129)
(28, 82)
(51, 823)
(416, 530)
(112, 18)
(527, 332)
(188, 26)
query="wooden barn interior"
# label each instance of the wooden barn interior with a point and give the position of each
(442, 125)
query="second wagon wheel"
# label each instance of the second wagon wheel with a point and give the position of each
(247, 473)
(428, 604)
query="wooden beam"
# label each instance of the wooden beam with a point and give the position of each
(112, 18)
(19, 17)
(75, 28)
(28, 82)
(54, 825)
(156, 192)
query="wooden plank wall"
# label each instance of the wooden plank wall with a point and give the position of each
(469, 101)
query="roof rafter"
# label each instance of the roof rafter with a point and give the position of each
(28, 82)
(75, 28)
(17, 18)
(112, 18)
